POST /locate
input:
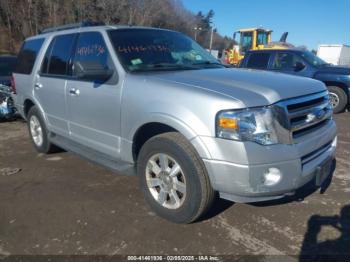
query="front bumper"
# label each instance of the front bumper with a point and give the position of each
(237, 169)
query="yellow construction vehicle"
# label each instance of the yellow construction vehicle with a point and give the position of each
(252, 39)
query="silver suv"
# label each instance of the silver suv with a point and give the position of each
(152, 101)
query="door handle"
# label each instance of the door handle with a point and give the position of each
(38, 86)
(74, 92)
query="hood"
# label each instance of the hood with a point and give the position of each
(338, 70)
(251, 87)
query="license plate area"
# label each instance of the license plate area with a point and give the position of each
(323, 171)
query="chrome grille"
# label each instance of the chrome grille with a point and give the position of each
(304, 115)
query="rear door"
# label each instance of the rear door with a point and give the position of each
(94, 107)
(50, 83)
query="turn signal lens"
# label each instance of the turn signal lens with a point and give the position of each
(253, 124)
(228, 123)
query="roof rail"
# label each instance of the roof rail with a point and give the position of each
(71, 26)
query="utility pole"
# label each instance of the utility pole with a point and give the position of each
(211, 39)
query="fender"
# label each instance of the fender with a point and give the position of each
(330, 77)
(343, 81)
(169, 120)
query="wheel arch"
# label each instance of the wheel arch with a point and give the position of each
(27, 105)
(145, 132)
(338, 84)
(162, 125)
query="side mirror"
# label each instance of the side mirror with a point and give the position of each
(92, 70)
(299, 66)
(234, 36)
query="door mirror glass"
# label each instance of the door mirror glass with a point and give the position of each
(92, 71)
(298, 66)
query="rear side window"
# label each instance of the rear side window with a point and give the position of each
(27, 56)
(56, 60)
(258, 60)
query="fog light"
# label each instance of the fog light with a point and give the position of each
(272, 176)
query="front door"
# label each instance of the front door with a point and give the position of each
(94, 106)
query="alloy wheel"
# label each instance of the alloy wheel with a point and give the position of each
(334, 99)
(36, 130)
(166, 181)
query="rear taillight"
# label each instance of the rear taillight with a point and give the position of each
(13, 85)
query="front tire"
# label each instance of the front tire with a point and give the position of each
(339, 99)
(173, 178)
(38, 132)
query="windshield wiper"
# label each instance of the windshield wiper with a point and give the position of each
(169, 65)
(207, 62)
(164, 66)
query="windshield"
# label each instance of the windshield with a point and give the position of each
(156, 50)
(7, 65)
(262, 38)
(313, 59)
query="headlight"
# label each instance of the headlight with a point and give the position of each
(256, 125)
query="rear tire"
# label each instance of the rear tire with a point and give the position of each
(173, 178)
(339, 99)
(38, 132)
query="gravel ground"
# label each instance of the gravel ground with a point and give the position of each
(61, 204)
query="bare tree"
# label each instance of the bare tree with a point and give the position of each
(22, 18)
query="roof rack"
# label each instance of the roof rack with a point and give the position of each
(71, 26)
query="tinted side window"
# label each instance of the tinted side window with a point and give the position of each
(45, 63)
(57, 56)
(7, 65)
(285, 61)
(27, 56)
(91, 51)
(258, 60)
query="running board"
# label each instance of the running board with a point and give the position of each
(120, 167)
